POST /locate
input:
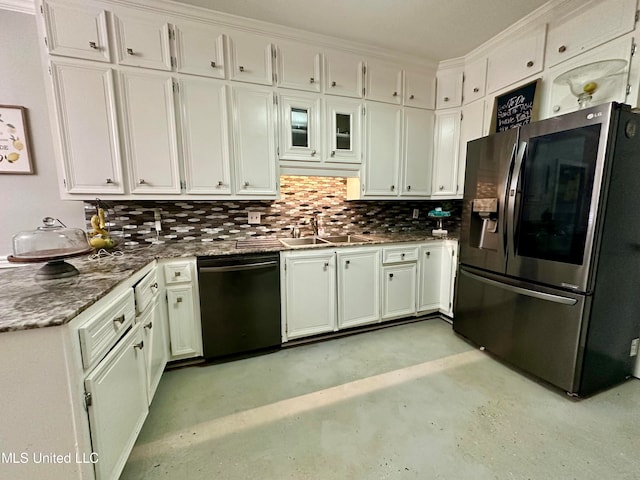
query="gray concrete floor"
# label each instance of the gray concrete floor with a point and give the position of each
(409, 402)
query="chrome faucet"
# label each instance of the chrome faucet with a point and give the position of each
(314, 225)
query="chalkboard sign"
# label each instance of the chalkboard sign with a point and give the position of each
(515, 108)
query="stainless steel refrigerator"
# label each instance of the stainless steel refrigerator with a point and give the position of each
(549, 272)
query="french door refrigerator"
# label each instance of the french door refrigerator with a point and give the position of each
(549, 271)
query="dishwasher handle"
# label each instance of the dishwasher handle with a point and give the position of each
(238, 268)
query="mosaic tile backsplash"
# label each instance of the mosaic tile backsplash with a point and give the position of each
(301, 199)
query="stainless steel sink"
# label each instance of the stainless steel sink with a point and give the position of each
(346, 239)
(296, 242)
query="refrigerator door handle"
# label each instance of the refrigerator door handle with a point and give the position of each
(522, 291)
(512, 195)
(505, 198)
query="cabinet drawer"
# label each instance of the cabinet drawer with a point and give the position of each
(177, 272)
(399, 254)
(144, 291)
(104, 329)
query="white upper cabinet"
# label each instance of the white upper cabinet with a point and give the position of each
(75, 31)
(419, 89)
(472, 127)
(150, 138)
(142, 39)
(343, 73)
(475, 80)
(344, 130)
(87, 126)
(298, 66)
(300, 127)
(417, 152)
(205, 136)
(601, 22)
(449, 88)
(250, 57)
(384, 82)
(445, 162)
(516, 59)
(254, 140)
(383, 149)
(199, 49)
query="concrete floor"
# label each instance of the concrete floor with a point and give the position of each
(409, 402)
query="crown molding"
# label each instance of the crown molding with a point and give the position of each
(21, 6)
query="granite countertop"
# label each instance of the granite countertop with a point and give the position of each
(26, 303)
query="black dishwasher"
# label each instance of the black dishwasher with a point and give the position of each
(239, 303)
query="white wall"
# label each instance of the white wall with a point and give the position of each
(26, 199)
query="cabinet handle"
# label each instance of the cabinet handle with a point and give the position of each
(179, 300)
(333, 153)
(139, 346)
(391, 275)
(312, 80)
(220, 183)
(562, 49)
(326, 265)
(177, 274)
(530, 64)
(411, 97)
(333, 84)
(408, 187)
(118, 321)
(241, 68)
(148, 325)
(93, 45)
(441, 187)
(130, 51)
(428, 254)
(395, 94)
(402, 255)
(142, 182)
(108, 181)
(154, 285)
(446, 99)
(556, 108)
(393, 187)
(213, 65)
(313, 153)
(476, 89)
(347, 263)
(246, 184)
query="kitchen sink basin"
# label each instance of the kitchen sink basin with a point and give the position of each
(295, 242)
(346, 239)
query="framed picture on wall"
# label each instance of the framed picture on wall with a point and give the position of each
(15, 154)
(516, 107)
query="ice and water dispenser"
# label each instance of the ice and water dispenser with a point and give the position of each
(484, 223)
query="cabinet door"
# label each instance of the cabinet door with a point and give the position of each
(417, 172)
(398, 290)
(384, 82)
(475, 80)
(447, 277)
(155, 344)
(87, 122)
(344, 130)
(449, 89)
(300, 127)
(343, 74)
(310, 294)
(383, 125)
(358, 287)
(254, 141)
(199, 49)
(142, 39)
(184, 327)
(419, 89)
(595, 25)
(118, 406)
(74, 31)
(205, 136)
(430, 283)
(149, 133)
(250, 58)
(298, 66)
(516, 60)
(471, 127)
(445, 160)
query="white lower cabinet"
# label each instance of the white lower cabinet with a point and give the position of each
(358, 286)
(398, 290)
(117, 403)
(310, 293)
(183, 309)
(430, 276)
(156, 345)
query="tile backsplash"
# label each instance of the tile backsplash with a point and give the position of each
(301, 199)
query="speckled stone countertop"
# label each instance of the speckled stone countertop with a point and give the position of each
(26, 303)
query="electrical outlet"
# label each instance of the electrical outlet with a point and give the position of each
(416, 213)
(254, 218)
(634, 347)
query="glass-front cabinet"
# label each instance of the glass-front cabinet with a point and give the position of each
(344, 127)
(301, 125)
